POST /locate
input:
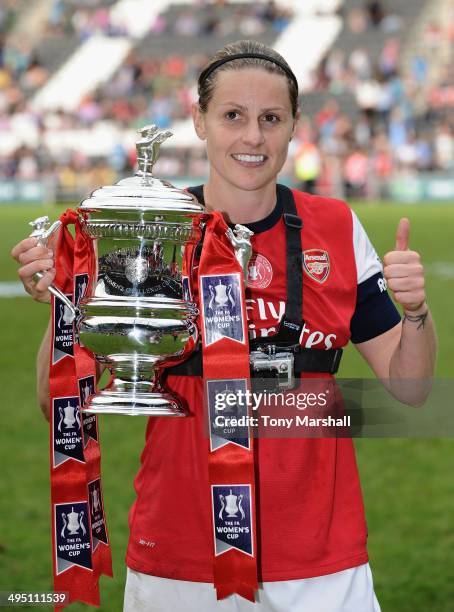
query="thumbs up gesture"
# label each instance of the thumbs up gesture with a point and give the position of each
(404, 272)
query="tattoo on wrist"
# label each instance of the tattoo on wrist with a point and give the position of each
(421, 319)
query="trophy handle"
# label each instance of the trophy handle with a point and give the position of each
(43, 231)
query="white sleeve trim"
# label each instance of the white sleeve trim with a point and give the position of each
(367, 261)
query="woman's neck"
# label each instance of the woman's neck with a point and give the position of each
(238, 205)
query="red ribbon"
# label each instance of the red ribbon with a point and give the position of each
(231, 467)
(81, 551)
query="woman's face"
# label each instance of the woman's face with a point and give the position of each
(247, 127)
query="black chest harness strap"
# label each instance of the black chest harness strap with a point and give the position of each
(281, 356)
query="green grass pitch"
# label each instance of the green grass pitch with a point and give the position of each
(407, 484)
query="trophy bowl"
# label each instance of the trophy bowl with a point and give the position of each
(134, 313)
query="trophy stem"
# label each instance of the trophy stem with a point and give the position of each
(130, 393)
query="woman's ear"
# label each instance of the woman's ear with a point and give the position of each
(295, 123)
(199, 121)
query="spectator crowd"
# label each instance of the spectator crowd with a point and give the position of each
(400, 125)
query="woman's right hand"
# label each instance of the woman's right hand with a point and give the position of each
(35, 258)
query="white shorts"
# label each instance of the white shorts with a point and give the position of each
(351, 590)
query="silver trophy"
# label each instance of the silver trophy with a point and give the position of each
(135, 315)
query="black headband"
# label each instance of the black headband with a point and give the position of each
(206, 73)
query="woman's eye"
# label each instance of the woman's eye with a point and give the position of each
(271, 118)
(232, 115)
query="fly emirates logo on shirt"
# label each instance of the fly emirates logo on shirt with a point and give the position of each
(261, 310)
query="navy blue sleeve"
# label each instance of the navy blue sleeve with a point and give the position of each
(375, 312)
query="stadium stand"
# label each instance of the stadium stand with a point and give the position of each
(375, 104)
(354, 53)
(375, 121)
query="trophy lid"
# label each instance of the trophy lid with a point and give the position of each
(143, 191)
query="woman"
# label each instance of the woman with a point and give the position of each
(311, 526)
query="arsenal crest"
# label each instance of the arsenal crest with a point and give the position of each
(316, 263)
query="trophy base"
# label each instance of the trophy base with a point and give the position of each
(140, 404)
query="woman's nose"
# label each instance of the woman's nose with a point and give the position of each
(253, 134)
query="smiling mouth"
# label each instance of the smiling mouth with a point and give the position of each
(249, 160)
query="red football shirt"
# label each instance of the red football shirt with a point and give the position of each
(310, 513)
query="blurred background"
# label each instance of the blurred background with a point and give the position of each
(77, 78)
